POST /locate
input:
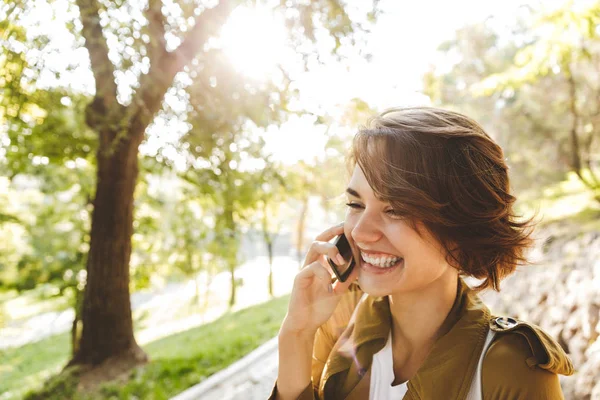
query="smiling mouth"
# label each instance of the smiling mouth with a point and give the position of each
(379, 269)
(375, 270)
(380, 259)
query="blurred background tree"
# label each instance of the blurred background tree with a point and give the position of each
(143, 61)
(537, 90)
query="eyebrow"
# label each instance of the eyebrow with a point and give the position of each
(353, 192)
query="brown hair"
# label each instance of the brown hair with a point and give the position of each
(441, 168)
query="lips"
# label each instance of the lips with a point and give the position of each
(375, 270)
(386, 261)
(376, 253)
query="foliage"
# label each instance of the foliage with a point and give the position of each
(535, 90)
(153, 60)
(178, 361)
(57, 388)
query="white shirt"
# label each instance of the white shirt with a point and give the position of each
(382, 374)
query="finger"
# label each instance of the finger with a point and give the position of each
(316, 270)
(328, 249)
(318, 249)
(321, 245)
(330, 233)
(325, 263)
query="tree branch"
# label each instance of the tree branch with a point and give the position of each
(576, 164)
(156, 28)
(206, 24)
(153, 86)
(95, 42)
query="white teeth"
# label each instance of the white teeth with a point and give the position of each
(382, 262)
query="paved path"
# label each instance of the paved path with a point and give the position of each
(157, 305)
(250, 378)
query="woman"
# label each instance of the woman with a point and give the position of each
(428, 204)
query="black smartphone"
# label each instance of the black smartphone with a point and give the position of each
(343, 271)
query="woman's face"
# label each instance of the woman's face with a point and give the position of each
(390, 255)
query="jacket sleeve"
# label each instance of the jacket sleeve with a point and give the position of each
(325, 339)
(322, 347)
(307, 394)
(506, 374)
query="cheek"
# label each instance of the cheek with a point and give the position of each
(348, 226)
(349, 223)
(428, 255)
(349, 215)
(411, 245)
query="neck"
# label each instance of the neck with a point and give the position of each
(417, 316)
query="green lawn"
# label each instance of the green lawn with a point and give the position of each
(177, 361)
(25, 367)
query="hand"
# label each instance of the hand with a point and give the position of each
(314, 298)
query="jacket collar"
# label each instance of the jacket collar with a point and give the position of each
(453, 355)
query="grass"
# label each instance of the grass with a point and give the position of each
(177, 361)
(24, 367)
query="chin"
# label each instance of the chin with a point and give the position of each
(372, 288)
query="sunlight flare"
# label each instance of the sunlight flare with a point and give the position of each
(255, 41)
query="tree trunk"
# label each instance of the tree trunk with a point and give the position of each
(76, 326)
(232, 245)
(575, 155)
(589, 160)
(576, 164)
(233, 284)
(268, 238)
(106, 314)
(270, 254)
(193, 274)
(300, 232)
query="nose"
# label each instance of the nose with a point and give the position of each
(367, 229)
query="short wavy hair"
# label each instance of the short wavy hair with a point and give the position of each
(442, 169)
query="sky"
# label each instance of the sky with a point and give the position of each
(403, 44)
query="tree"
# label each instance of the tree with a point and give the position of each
(218, 175)
(151, 47)
(325, 176)
(49, 143)
(107, 325)
(534, 89)
(192, 237)
(564, 49)
(272, 191)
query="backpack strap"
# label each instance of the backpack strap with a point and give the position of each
(476, 390)
(546, 353)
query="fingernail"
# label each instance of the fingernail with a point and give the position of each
(330, 288)
(340, 259)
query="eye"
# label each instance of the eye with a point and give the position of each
(354, 205)
(394, 213)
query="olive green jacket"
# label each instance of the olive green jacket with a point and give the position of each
(522, 362)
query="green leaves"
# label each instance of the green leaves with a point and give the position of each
(560, 38)
(535, 90)
(53, 132)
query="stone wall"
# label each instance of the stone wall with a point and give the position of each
(560, 292)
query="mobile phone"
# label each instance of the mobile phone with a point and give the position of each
(343, 271)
